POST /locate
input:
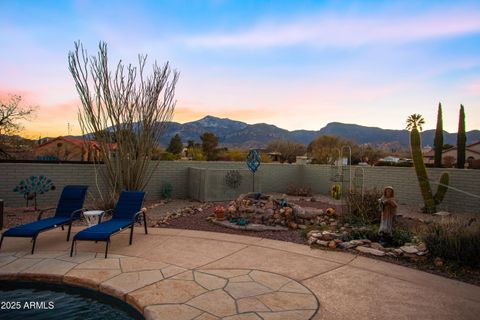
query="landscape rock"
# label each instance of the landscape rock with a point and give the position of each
(322, 243)
(376, 245)
(442, 213)
(398, 251)
(372, 251)
(421, 247)
(332, 244)
(409, 249)
(438, 262)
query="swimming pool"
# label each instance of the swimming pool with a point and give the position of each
(38, 300)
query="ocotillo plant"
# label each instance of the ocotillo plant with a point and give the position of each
(414, 124)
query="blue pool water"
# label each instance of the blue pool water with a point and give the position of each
(43, 301)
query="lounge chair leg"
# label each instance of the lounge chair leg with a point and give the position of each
(1, 240)
(69, 230)
(145, 222)
(106, 249)
(71, 249)
(62, 228)
(34, 241)
(131, 233)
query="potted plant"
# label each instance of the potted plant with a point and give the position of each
(219, 212)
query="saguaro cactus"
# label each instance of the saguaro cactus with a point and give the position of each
(438, 141)
(461, 139)
(414, 124)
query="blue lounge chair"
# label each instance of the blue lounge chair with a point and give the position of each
(126, 213)
(69, 208)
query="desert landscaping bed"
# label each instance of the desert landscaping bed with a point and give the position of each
(193, 215)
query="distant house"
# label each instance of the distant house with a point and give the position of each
(449, 156)
(391, 159)
(274, 156)
(68, 149)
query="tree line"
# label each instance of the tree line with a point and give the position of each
(322, 150)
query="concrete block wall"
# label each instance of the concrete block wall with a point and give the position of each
(61, 174)
(209, 184)
(273, 177)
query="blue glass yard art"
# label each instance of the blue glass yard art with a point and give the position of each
(33, 186)
(253, 162)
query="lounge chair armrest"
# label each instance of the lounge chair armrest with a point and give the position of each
(139, 212)
(43, 211)
(76, 211)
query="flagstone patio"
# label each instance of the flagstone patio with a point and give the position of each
(183, 274)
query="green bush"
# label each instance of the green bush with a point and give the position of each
(168, 156)
(365, 210)
(368, 232)
(351, 219)
(454, 240)
(166, 191)
(401, 236)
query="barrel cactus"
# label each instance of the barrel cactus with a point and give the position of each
(414, 124)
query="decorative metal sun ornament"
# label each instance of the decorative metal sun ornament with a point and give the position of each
(253, 162)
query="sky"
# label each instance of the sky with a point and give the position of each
(294, 64)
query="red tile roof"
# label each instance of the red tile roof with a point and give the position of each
(79, 142)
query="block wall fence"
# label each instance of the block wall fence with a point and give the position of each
(272, 177)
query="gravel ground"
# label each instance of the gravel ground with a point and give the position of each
(198, 221)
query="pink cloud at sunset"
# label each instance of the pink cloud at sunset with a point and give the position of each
(291, 65)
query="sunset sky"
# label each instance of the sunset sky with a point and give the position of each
(295, 64)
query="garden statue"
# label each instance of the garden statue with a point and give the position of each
(388, 206)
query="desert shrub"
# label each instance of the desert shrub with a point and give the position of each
(351, 219)
(236, 155)
(455, 240)
(368, 232)
(196, 153)
(365, 210)
(167, 190)
(168, 156)
(265, 158)
(302, 191)
(401, 235)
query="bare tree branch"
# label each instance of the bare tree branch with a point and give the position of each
(11, 113)
(125, 110)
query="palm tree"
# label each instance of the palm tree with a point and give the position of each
(415, 121)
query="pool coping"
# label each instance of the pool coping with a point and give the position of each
(171, 272)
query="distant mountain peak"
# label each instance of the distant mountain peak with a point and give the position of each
(239, 134)
(211, 121)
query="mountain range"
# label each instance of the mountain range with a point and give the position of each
(233, 133)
